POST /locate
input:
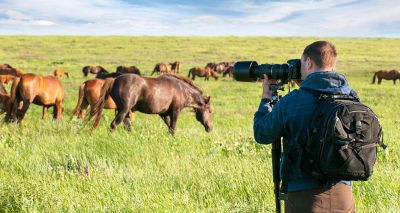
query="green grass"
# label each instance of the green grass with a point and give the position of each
(63, 167)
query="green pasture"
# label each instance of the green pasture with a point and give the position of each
(64, 167)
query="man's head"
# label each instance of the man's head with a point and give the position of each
(318, 56)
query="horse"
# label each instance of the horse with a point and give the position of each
(387, 75)
(93, 69)
(166, 96)
(175, 66)
(162, 68)
(59, 73)
(89, 94)
(202, 72)
(131, 69)
(31, 88)
(5, 79)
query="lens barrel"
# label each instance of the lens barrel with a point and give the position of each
(250, 71)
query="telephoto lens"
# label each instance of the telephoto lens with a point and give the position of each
(250, 71)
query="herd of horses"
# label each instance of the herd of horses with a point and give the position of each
(126, 91)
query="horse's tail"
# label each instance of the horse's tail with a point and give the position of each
(14, 94)
(190, 72)
(78, 107)
(98, 107)
(373, 79)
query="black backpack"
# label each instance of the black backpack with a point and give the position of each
(343, 139)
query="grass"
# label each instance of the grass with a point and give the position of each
(63, 167)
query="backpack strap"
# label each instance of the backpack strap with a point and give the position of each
(325, 96)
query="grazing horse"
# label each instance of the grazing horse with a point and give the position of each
(161, 68)
(202, 72)
(166, 95)
(131, 69)
(93, 69)
(59, 73)
(387, 75)
(175, 66)
(31, 88)
(89, 94)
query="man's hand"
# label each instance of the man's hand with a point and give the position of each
(266, 82)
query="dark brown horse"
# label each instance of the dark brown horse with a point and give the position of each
(93, 69)
(175, 66)
(162, 68)
(60, 72)
(166, 95)
(387, 75)
(131, 69)
(89, 94)
(202, 72)
(31, 88)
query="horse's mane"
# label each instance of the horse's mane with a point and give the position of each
(184, 79)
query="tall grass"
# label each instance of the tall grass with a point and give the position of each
(63, 167)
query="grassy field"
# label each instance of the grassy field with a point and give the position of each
(63, 167)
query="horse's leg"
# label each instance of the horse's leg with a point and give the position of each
(58, 109)
(121, 115)
(379, 80)
(174, 118)
(44, 112)
(167, 120)
(21, 113)
(127, 122)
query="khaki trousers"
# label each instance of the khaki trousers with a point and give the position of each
(338, 199)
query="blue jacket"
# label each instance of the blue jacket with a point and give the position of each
(290, 118)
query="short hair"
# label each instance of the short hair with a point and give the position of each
(322, 53)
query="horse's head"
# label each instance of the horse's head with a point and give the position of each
(203, 114)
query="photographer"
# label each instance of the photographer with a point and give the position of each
(290, 118)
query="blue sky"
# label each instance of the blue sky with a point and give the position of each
(349, 18)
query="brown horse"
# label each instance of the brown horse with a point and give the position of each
(31, 88)
(387, 75)
(175, 66)
(166, 95)
(162, 68)
(93, 69)
(89, 94)
(59, 73)
(202, 72)
(131, 69)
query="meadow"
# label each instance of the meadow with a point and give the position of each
(64, 167)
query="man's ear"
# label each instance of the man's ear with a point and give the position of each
(309, 63)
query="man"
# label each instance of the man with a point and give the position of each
(290, 118)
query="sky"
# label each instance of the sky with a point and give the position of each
(333, 18)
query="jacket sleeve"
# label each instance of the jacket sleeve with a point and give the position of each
(268, 122)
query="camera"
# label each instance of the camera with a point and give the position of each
(251, 71)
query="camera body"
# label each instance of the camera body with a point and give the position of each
(251, 71)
